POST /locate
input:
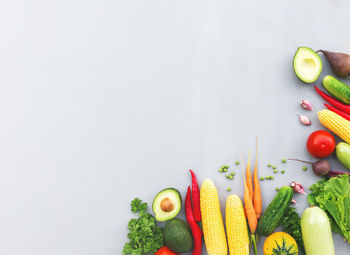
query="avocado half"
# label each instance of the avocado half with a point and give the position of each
(167, 204)
(307, 64)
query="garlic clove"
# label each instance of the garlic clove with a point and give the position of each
(306, 105)
(297, 187)
(304, 120)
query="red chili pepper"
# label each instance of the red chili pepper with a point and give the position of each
(195, 198)
(196, 231)
(339, 112)
(341, 106)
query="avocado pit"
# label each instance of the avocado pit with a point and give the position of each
(167, 205)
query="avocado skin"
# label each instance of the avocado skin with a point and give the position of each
(177, 236)
(337, 88)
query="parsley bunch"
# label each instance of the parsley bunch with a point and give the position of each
(291, 225)
(144, 236)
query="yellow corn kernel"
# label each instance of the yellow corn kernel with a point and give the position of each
(212, 223)
(335, 123)
(236, 226)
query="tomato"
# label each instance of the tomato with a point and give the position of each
(165, 251)
(320, 144)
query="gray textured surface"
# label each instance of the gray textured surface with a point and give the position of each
(102, 101)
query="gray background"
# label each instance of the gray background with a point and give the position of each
(104, 101)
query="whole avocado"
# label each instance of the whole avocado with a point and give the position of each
(178, 236)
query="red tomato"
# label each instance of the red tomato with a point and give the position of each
(320, 144)
(165, 251)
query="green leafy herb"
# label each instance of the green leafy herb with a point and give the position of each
(333, 196)
(291, 225)
(144, 235)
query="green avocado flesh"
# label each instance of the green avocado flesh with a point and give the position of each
(307, 64)
(177, 236)
(167, 204)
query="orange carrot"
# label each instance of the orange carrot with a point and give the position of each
(249, 209)
(257, 192)
(249, 179)
(250, 214)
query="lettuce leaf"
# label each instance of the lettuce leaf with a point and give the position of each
(333, 196)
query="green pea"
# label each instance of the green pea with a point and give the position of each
(271, 178)
(262, 178)
(225, 170)
(277, 189)
(304, 168)
(284, 160)
(231, 177)
(274, 167)
(283, 171)
(268, 165)
(237, 162)
(233, 173)
(275, 171)
(228, 189)
(220, 170)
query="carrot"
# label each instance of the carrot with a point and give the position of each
(249, 209)
(249, 179)
(257, 192)
(250, 214)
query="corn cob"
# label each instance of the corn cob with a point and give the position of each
(212, 223)
(335, 123)
(236, 226)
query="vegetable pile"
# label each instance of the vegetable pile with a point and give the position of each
(309, 234)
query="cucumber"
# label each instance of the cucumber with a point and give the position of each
(337, 88)
(316, 231)
(275, 211)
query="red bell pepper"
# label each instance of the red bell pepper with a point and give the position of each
(341, 106)
(196, 231)
(195, 198)
(339, 112)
